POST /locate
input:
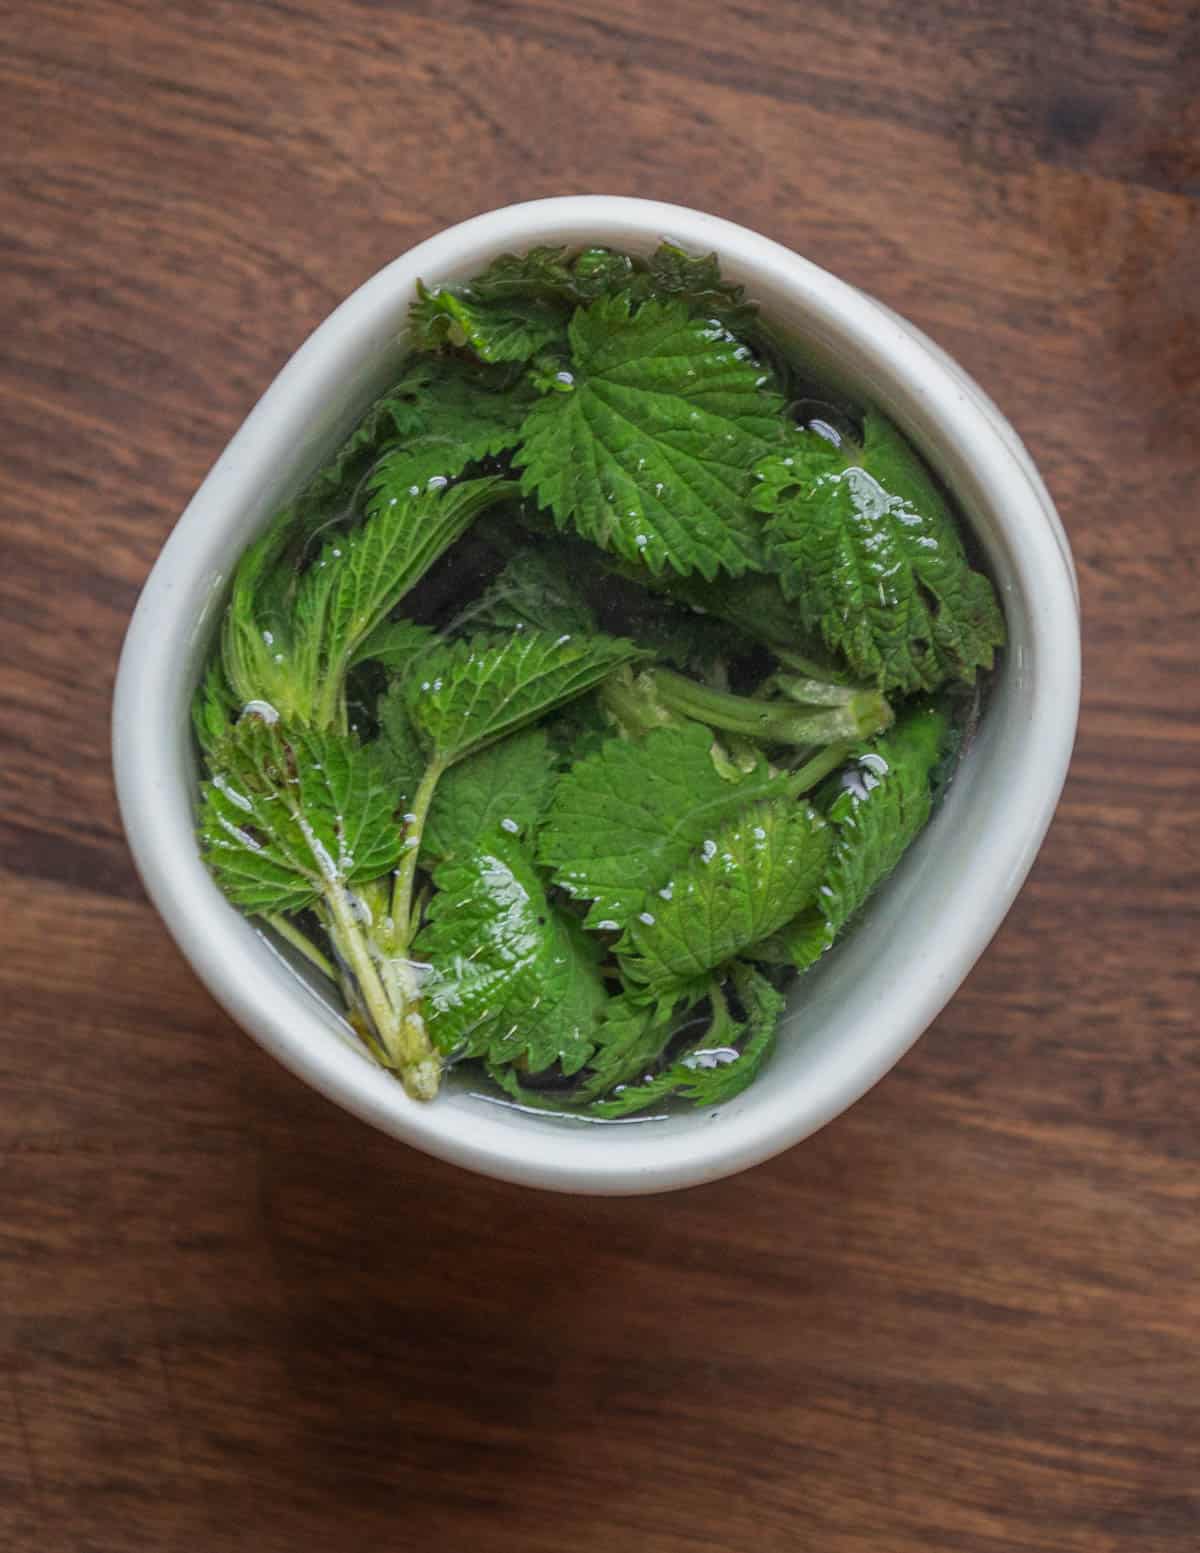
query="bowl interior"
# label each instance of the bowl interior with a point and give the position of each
(851, 1017)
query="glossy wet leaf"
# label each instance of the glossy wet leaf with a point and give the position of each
(748, 878)
(882, 804)
(289, 814)
(625, 820)
(504, 787)
(513, 978)
(651, 454)
(866, 547)
(467, 693)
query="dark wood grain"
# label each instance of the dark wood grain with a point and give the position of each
(963, 1317)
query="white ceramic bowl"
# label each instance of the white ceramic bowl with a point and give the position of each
(860, 1010)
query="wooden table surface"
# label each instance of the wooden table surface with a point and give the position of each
(963, 1317)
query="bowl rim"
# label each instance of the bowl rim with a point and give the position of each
(149, 711)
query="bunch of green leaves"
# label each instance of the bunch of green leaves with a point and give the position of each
(576, 820)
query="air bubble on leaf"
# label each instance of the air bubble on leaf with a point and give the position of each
(646, 917)
(608, 926)
(269, 638)
(437, 483)
(563, 640)
(414, 490)
(667, 891)
(708, 851)
(263, 710)
(243, 838)
(712, 1057)
(510, 826)
(222, 786)
(641, 541)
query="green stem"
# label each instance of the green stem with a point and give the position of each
(813, 692)
(301, 941)
(407, 871)
(769, 722)
(818, 768)
(400, 1029)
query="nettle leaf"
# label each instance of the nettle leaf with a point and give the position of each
(597, 272)
(511, 979)
(394, 644)
(625, 821)
(359, 577)
(214, 707)
(400, 747)
(695, 280)
(630, 1038)
(331, 494)
(467, 693)
(504, 787)
(513, 329)
(749, 878)
(550, 276)
(290, 814)
(462, 413)
(629, 1043)
(439, 418)
(703, 1052)
(652, 452)
(532, 591)
(289, 639)
(257, 631)
(883, 803)
(445, 413)
(865, 544)
(719, 1066)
